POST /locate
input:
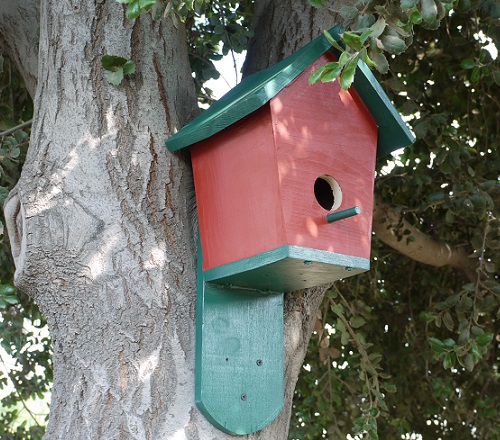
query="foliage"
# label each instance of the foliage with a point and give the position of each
(378, 29)
(215, 29)
(31, 374)
(116, 68)
(434, 331)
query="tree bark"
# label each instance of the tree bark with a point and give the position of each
(101, 225)
(104, 235)
(19, 23)
(423, 248)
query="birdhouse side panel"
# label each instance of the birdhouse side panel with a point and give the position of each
(326, 143)
(237, 191)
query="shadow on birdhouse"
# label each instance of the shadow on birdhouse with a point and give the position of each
(284, 177)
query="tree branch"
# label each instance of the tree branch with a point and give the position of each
(17, 127)
(424, 248)
(19, 25)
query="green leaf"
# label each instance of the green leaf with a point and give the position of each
(316, 3)
(389, 387)
(125, 1)
(448, 321)
(316, 75)
(364, 36)
(129, 68)
(469, 362)
(344, 58)
(133, 10)
(364, 56)
(476, 74)
(415, 17)
(484, 339)
(347, 77)
(468, 64)
(378, 28)
(115, 77)
(448, 361)
(381, 63)
(344, 338)
(7, 290)
(332, 73)
(437, 345)
(464, 336)
(349, 12)
(496, 77)
(428, 10)
(112, 62)
(146, 4)
(332, 41)
(357, 321)
(11, 299)
(338, 309)
(353, 40)
(408, 4)
(393, 44)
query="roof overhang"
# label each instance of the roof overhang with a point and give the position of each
(258, 89)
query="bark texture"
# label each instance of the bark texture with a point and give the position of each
(105, 243)
(101, 225)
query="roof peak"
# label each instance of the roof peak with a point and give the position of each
(259, 88)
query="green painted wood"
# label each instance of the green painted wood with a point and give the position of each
(288, 268)
(239, 356)
(393, 133)
(340, 215)
(256, 90)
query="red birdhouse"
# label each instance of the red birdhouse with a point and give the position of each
(274, 159)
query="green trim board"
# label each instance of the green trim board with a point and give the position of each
(239, 384)
(258, 89)
(287, 268)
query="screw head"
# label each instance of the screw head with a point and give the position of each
(243, 397)
(259, 362)
(349, 269)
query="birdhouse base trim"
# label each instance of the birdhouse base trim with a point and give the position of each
(239, 384)
(287, 268)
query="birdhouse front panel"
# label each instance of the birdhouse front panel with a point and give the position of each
(265, 185)
(237, 192)
(326, 143)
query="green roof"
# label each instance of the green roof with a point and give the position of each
(258, 89)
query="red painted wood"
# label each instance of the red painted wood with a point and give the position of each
(237, 191)
(255, 180)
(324, 130)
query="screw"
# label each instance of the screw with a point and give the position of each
(243, 397)
(349, 269)
(308, 262)
(259, 362)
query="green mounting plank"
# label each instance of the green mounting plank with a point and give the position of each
(239, 356)
(258, 89)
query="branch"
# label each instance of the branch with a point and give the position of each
(424, 248)
(17, 127)
(19, 24)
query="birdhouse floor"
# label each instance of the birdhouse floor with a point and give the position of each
(287, 268)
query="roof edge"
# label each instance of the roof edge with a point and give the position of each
(258, 89)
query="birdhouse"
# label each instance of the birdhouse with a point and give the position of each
(284, 174)
(284, 177)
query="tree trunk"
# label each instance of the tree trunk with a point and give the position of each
(101, 224)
